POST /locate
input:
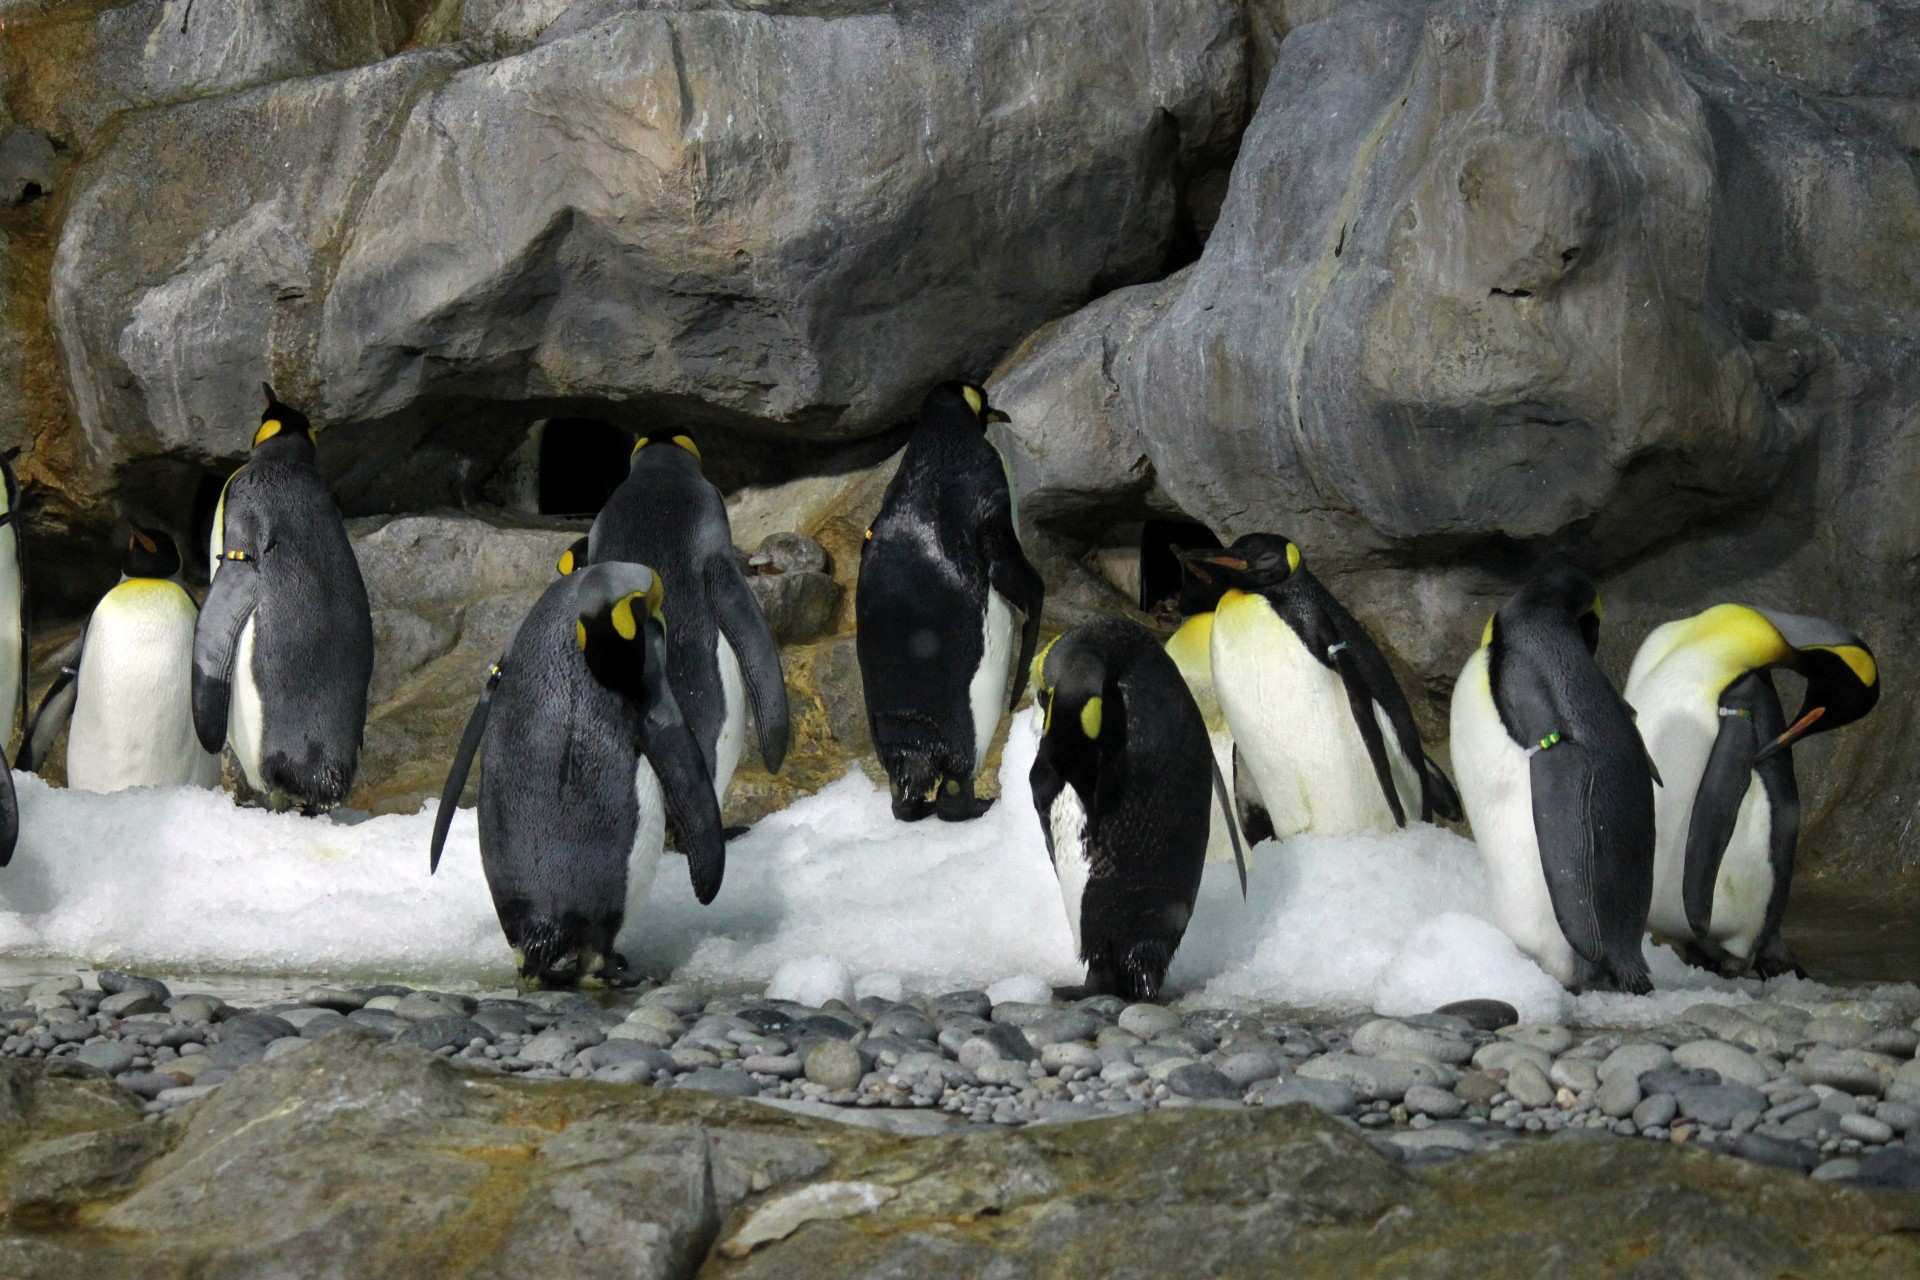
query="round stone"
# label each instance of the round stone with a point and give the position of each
(1198, 1080)
(1732, 1062)
(1866, 1128)
(1655, 1112)
(1635, 1060)
(1426, 1100)
(834, 1065)
(1618, 1095)
(1546, 1038)
(1148, 1020)
(1483, 1015)
(1529, 1086)
(1388, 1036)
(732, 1084)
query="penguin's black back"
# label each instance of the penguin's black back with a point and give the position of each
(922, 599)
(668, 516)
(558, 812)
(312, 627)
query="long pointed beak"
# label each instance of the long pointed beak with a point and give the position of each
(1792, 735)
(1197, 562)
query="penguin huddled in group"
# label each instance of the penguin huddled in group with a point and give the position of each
(941, 574)
(1558, 786)
(1124, 784)
(126, 684)
(1191, 648)
(667, 514)
(284, 649)
(1728, 812)
(1319, 722)
(13, 640)
(586, 755)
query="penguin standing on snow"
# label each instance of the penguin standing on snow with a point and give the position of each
(127, 684)
(1557, 786)
(13, 639)
(1191, 648)
(586, 757)
(668, 515)
(1124, 784)
(1318, 719)
(1728, 814)
(284, 648)
(940, 576)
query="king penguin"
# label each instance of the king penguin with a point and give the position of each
(1557, 786)
(1124, 784)
(1728, 815)
(1191, 648)
(126, 684)
(941, 574)
(586, 755)
(283, 652)
(1318, 720)
(667, 514)
(13, 640)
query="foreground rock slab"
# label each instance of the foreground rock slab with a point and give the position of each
(359, 1157)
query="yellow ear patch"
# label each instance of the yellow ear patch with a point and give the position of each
(687, 443)
(623, 620)
(580, 633)
(1040, 662)
(640, 444)
(1856, 658)
(974, 399)
(1090, 718)
(566, 562)
(1597, 609)
(1293, 558)
(268, 430)
(1486, 636)
(656, 592)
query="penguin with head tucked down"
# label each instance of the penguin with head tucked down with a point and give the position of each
(283, 652)
(1319, 722)
(13, 639)
(1558, 787)
(1124, 784)
(126, 684)
(941, 575)
(1728, 814)
(586, 757)
(723, 656)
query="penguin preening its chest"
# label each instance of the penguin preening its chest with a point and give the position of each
(1318, 720)
(668, 515)
(283, 652)
(1557, 786)
(1728, 814)
(586, 756)
(1124, 784)
(127, 685)
(941, 575)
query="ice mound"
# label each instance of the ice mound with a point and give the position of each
(829, 899)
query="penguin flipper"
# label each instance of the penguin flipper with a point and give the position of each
(1046, 784)
(1011, 574)
(745, 628)
(1255, 822)
(1716, 810)
(12, 517)
(667, 741)
(462, 765)
(1233, 827)
(9, 817)
(1442, 797)
(1565, 818)
(216, 637)
(55, 707)
(1360, 699)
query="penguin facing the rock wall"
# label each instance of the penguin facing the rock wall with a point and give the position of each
(283, 653)
(940, 575)
(1558, 787)
(723, 656)
(1317, 717)
(1728, 814)
(586, 756)
(1124, 784)
(126, 684)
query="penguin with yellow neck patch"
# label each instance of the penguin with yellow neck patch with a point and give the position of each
(283, 651)
(1558, 787)
(1191, 648)
(126, 684)
(1728, 814)
(587, 756)
(1124, 784)
(1318, 719)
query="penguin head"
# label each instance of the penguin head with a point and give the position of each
(614, 603)
(281, 422)
(960, 402)
(1562, 593)
(1256, 562)
(1070, 679)
(573, 559)
(150, 554)
(1843, 679)
(684, 447)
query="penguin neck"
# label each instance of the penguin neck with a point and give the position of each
(287, 448)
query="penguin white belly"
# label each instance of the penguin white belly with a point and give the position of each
(1068, 821)
(1745, 885)
(1294, 725)
(11, 608)
(987, 691)
(246, 719)
(1219, 841)
(643, 861)
(133, 713)
(733, 728)
(1678, 722)
(1497, 789)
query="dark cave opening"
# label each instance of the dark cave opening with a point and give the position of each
(581, 462)
(1161, 578)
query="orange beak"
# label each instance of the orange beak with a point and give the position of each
(1788, 738)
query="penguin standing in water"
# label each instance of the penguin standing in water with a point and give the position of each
(586, 756)
(940, 576)
(1557, 786)
(1728, 814)
(13, 639)
(1124, 784)
(1319, 722)
(668, 515)
(127, 685)
(284, 649)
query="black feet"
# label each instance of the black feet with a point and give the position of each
(910, 808)
(957, 803)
